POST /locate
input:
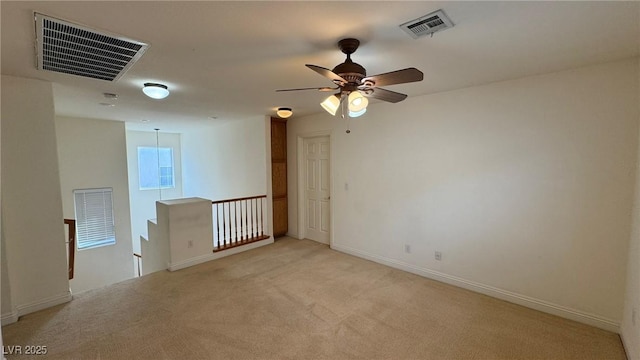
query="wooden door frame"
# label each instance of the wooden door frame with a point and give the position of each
(270, 175)
(301, 169)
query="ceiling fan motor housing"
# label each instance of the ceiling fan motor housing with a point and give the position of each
(350, 71)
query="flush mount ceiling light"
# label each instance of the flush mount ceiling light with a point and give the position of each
(284, 112)
(155, 91)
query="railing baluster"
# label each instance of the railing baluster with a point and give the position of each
(251, 216)
(253, 220)
(138, 257)
(245, 225)
(241, 238)
(235, 204)
(246, 219)
(257, 219)
(218, 223)
(261, 218)
(235, 214)
(224, 228)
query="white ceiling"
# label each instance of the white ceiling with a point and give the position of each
(226, 59)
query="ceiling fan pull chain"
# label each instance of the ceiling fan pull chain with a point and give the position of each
(344, 105)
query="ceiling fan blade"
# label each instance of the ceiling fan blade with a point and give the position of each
(385, 95)
(327, 73)
(312, 88)
(395, 77)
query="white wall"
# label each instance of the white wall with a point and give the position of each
(230, 160)
(631, 327)
(32, 221)
(525, 186)
(143, 202)
(92, 154)
(3, 259)
(218, 161)
(226, 160)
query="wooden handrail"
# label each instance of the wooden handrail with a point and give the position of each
(139, 257)
(72, 245)
(239, 199)
(238, 221)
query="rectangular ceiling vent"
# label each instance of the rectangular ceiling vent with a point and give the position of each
(428, 24)
(68, 48)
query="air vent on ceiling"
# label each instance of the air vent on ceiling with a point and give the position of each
(428, 24)
(68, 48)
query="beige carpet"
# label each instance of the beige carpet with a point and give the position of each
(300, 300)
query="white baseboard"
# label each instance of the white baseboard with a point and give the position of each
(217, 255)
(189, 262)
(44, 303)
(9, 318)
(29, 308)
(533, 303)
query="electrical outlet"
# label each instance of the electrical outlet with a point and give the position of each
(438, 255)
(190, 244)
(407, 248)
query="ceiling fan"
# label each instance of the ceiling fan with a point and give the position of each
(354, 86)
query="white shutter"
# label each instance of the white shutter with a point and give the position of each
(94, 218)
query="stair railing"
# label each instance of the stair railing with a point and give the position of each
(238, 221)
(71, 245)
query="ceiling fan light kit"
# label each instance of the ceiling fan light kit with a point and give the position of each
(331, 104)
(284, 112)
(357, 102)
(355, 114)
(354, 86)
(155, 91)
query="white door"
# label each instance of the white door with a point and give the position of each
(317, 191)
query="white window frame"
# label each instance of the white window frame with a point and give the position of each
(158, 169)
(95, 220)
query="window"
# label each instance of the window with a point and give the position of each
(94, 218)
(155, 167)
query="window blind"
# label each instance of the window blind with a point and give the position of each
(95, 225)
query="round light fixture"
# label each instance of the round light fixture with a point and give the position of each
(284, 112)
(155, 91)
